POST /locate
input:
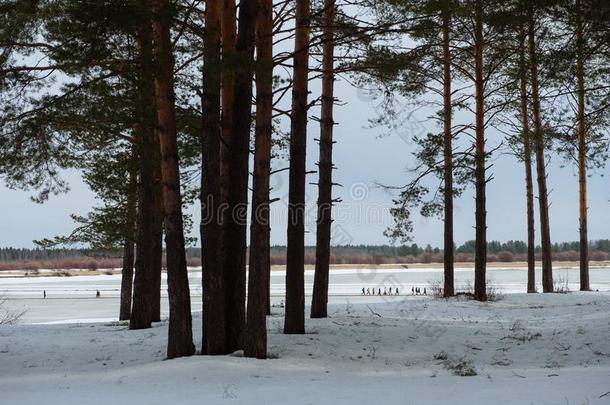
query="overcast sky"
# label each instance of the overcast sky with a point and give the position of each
(362, 158)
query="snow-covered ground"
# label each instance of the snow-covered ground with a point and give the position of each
(524, 349)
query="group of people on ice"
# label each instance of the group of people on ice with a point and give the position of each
(377, 291)
(392, 291)
(418, 291)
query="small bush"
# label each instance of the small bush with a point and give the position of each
(435, 288)
(441, 356)
(425, 258)
(520, 257)
(519, 332)
(493, 293)
(9, 316)
(460, 366)
(599, 256)
(561, 284)
(464, 257)
(505, 257)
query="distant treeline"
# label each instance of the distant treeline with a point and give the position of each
(518, 247)
(10, 254)
(493, 247)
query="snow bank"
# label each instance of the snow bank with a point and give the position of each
(525, 349)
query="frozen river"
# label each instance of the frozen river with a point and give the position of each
(73, 298)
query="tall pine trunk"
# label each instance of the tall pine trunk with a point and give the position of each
(255, 339)
(148, 152)
(448, 246)
(294, 320)
(234, 244)
(319, 298)
(545, 229)
(229, 37)
(480, 260)
(214, 332)
(527, 162)
(128, 245)
(126, 280)
(157, 236)
(180, 334)
(582, 156)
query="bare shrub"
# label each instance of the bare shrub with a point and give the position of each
(31, 265)
(310, 258)
(425, 258)
(438, 257)
(505, 256)
(569, 256)
(458, 366)
(561, 284)
(518, 331)
(407, 259)
(463, 257)
(435, 287)
(599, 256)
(378, 259)
(277, 260)
(520, 257)
(8, 315)
(108, 263)
(494, 293)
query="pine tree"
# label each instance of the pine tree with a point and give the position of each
(180, 335)
(527, 159)
(214, 331)
(539, 135)
(319, 299)
(235, 225)
(255, 338)
(294, 320)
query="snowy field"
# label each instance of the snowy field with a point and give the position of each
(523, 349)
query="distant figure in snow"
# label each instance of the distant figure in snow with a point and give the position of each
(390, 291)
(413, 290)
(368, 291)
(396, 290)
(97, 294)
(379, 293)
(385, 291)
(44, 294)
(362, 290)
(425, 291)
